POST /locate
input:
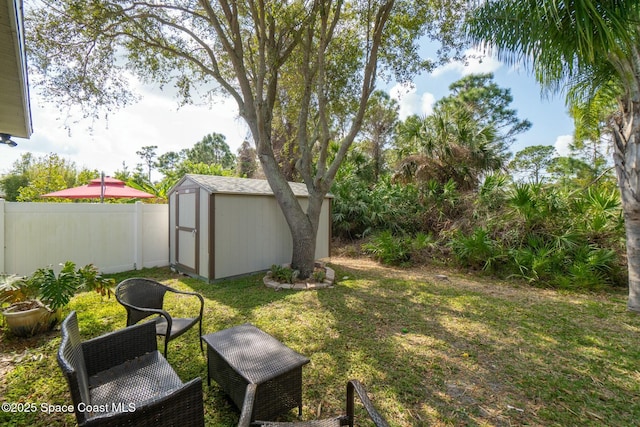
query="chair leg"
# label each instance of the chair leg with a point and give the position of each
(166, 344)
(350, 403)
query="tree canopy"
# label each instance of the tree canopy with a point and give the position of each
(322, 56)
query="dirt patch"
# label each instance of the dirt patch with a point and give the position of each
(14, 350)
(512, 290)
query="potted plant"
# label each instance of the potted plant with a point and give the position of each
(35, 301)
(26, 314)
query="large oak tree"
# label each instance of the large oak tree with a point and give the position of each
(322, 58)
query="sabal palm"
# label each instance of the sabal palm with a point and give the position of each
(451, 145)
(588, 48)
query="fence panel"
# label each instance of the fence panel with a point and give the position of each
(114, 237)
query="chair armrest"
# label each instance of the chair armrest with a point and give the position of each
(117, 347)
(355, 385)
(151, 311)
(182, 407)
(146, 309)
(247, 406)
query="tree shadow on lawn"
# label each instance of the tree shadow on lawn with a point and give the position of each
(439, 355)
(429, 353)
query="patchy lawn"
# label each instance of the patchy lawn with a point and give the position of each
(437, 351)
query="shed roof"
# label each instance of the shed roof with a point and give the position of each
(232, 185)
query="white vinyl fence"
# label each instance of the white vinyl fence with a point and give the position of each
(113, 237)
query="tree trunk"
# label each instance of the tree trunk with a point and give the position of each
(304, 249)
(632, 227)
(626, 155)
(303, 225)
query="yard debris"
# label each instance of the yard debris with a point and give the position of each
(514, 408)
(442, 277)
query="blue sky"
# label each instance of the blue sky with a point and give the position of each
(157, 120)
(551, 125)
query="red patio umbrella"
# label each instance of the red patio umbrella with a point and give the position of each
(100, 188)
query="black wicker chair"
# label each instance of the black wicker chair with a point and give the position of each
(145, 297)
(121, 379)
(345, 420)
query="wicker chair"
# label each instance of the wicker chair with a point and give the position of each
(145, 297)
(121, 379)
(345, 420)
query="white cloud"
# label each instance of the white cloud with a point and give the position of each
(476, 63)
(427, 103)
(407, 97)
(154, 120)
(410, 102)
(562, 145)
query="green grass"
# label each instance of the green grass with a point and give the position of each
(454, 353)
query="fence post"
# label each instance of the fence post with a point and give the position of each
(138, 236)
(2, 251)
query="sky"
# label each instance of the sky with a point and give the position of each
(157, 119)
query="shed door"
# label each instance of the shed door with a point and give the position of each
(187, 233)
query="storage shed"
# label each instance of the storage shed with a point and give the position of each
(222, 227)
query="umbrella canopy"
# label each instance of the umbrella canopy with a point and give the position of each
(100, 188)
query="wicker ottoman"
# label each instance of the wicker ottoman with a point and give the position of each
(245, 355)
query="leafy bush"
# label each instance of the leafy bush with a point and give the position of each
(360, 209)
(548, 234)
(387, 248)
(283, 274)
(476, 251)
(56, 291)
(319, 275)
(396, 250)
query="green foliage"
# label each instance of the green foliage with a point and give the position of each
(477, 250)
(487, 104)
(56, 290)
(359, 209)
(588, 50)
(14, 288)
(148, 155)
(533, 162)
(11, 185)
(247, 164)
(396, 250)
(549, 237)
(211, 150)
(466, 137)
(546, 234)
(388, 249)
(41, 175)
(93, 280)
(283, 274)
(319, 275)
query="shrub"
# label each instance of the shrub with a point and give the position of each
(360, 209)
(476, 251)
(387, 248)
(319, 275)
(283, 274)
(396, 250)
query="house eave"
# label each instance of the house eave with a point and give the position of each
(15, 109)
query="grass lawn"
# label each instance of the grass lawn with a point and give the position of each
(457, 352)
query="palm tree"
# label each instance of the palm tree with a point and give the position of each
(450, 145)
(588, 48)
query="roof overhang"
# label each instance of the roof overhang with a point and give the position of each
(15, 110)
